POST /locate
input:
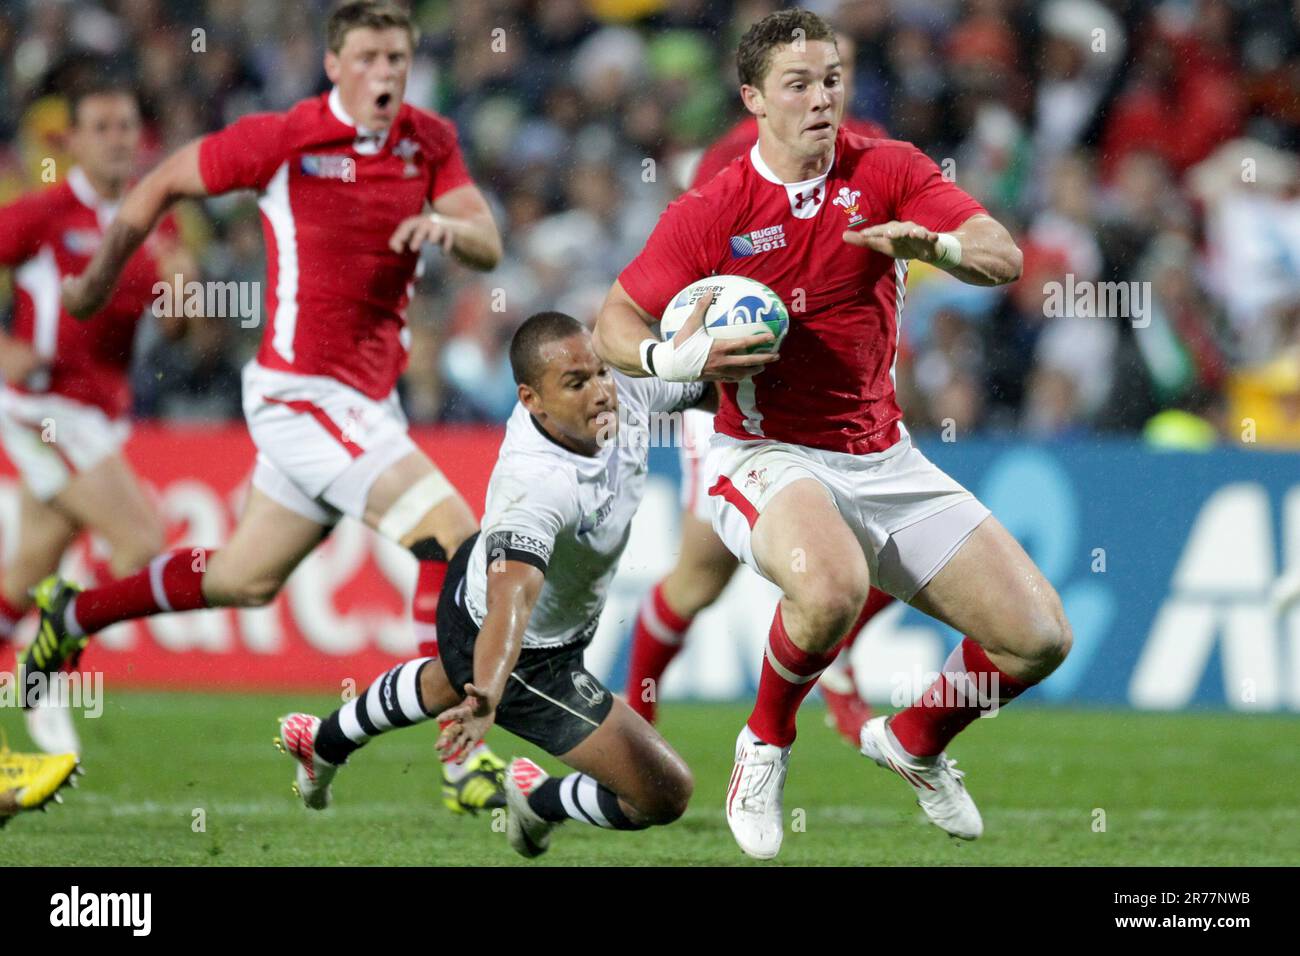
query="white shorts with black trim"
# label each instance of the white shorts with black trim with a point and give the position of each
(51, 439)
(908, 515)
(320, 444)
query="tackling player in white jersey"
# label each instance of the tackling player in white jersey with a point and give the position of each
(523, 599)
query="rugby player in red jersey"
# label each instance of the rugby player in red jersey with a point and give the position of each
(66, 393)
(351, 185)
(704, 566)
(811, 458)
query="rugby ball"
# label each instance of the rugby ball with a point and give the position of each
(741, 307)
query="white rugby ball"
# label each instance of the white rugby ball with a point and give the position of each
(741, 307)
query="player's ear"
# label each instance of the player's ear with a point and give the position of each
(333, 68)
(752, 97)
(529, 398)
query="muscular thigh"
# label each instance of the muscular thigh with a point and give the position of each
(268, 543)
(628, 756)
(991, 591)
(801, 541)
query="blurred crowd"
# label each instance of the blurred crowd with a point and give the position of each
(1144, 143)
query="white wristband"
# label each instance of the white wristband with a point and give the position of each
(949, 251)
(675, 361)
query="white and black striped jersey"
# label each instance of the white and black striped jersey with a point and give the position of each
(568, 514)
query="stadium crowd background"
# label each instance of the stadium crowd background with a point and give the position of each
(1119, 141)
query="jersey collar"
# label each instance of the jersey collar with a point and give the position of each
(587, 466)
(80, 185)
(806, 197)
(368, 141)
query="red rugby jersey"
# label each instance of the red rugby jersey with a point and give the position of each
(331, 195)
(52, 234)
(833, 386)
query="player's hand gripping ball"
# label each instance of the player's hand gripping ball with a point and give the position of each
(741, 307)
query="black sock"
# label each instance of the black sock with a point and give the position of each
(579, 797)
(428, 549)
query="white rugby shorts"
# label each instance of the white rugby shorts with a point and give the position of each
(908, 515)
(320, 444)
(51, 439)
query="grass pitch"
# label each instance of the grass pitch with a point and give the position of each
(193, 779)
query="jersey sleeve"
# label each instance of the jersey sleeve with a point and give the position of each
(449, 171)
(924, 196)
(22, 228)
(673, 256)
(656, 395)
(534, 512)
(244, 155)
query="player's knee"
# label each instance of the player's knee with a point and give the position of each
(146, 541)
(1050, 637)
(253, 592)
(671, 794)
(692, 589)
(829, 603)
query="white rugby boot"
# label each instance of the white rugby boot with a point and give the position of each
(754, 795)
(937, 782)
(298, 740)
(529, 834)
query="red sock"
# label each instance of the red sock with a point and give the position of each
(173, 581)
(656, 639)
(9, 618)
(424, 606)
(781, 692)
(968, 686)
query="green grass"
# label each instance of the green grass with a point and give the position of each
(1185, 789)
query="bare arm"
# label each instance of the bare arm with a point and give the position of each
(461, 223)
(989, 256)
(512, 590)
(176, 177)
(621, 327)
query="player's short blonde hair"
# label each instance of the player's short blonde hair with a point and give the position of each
(357, 14)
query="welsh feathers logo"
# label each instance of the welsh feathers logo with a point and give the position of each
(847, 199)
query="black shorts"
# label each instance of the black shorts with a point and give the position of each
(550, 699)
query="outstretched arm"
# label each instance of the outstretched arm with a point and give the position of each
(177, 177)
(980, 251)
(512, 590)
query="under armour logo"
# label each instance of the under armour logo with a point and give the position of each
(813, 197)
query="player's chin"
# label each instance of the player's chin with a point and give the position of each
(602, 426)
